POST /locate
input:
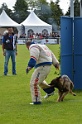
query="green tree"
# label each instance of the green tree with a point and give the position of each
(42, 8)
(20, 10)
(5, 7)
(56, 11)
(48, 12)
(45, 12)
(76, 8)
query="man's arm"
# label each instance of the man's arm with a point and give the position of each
(3, 47)
(34, 54)
(55, 61)
(15, 42)
(31, 64)
(16, 48)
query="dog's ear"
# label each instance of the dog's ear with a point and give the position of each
(54, 81)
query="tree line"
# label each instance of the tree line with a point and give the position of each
(48, 12)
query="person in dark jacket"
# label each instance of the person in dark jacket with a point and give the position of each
(9, 47)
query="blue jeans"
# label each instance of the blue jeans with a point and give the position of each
(8, 54)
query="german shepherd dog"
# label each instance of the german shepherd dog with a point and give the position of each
(64, 86)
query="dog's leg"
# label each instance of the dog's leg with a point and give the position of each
(63, 95)
(59, 97)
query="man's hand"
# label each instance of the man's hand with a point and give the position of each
(28, 69)
(57, 66)
(16, 53)
(4, 53)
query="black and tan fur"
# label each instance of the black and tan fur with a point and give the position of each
(64, 86)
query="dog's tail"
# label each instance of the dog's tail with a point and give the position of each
(72, 93)
(71, 87)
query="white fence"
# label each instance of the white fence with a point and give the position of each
(40, 41)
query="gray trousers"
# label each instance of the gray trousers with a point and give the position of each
(38, 80)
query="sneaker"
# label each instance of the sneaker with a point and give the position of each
(32, 103)
(5, 74)
(14, 74)
(48, 95)
(35, 103)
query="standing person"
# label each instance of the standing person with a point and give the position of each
(9, 47)
(41, 57)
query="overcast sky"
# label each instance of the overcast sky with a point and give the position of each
(64, 4)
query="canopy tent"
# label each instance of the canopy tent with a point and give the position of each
(6, 21)
(33, 23)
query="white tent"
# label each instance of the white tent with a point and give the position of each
(32, 22)
(6, 21)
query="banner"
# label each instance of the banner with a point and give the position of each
(40, 41)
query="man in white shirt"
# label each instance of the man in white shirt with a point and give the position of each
(41, 57)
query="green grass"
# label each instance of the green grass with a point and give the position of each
(15, 97)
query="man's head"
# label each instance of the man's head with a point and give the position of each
(10, 30)
(28, 43)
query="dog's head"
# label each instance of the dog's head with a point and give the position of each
(57, 82)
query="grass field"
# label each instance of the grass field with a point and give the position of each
(15, 97)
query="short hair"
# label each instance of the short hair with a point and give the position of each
(28, 42)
